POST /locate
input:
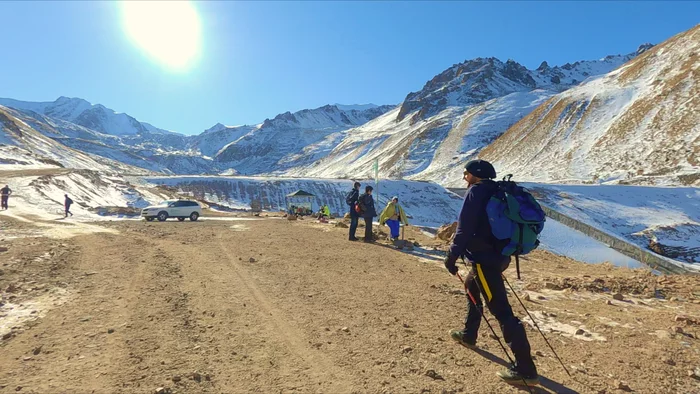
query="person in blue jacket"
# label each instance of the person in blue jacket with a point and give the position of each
(368, 212)
(474, 241)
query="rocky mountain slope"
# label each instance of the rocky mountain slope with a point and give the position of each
(100, 131)
(455, 115)
(638, 124)
(80, 112)
(290, 140)
(24, 147)
(620, 118)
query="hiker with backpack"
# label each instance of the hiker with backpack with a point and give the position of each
(351, 199)
(5, 196)
(67, 203)
(488, 251)
(365, 205)
(393, 216)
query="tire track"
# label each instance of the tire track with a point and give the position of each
(321, 368)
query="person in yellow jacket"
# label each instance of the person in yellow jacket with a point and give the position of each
(393, 215)
(324, 211)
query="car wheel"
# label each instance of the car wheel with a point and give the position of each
(181, 219)
(149, 219)
(162, 216)
(194, 216)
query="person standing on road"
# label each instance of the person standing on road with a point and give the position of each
(5, 196)
(474, 240)
(368, 212)
(351, 200)
(393, 216)
(67, 205)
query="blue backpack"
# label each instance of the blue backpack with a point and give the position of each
(516, 219)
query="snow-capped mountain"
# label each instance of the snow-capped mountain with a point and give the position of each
(586, 110)
(638, 124)
(293, 139)
(23, 147)
(80, 112)
(96, 130)
(456, 114)
(482, 79)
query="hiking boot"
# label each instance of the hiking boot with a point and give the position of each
(512, 376)
(458, 336)
(354, 239)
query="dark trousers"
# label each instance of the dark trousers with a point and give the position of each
(369, 237)
(353, 225)
(4, 202)
(68, 212)
(486, 279)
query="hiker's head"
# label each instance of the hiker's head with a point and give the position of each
(477, 170)
(368, 189)
(395, 199)
(357, 185)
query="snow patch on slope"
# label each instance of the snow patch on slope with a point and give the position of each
(645, 216)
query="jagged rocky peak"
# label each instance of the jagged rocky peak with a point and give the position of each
(518, 73)
(214, 128)
(644, 47)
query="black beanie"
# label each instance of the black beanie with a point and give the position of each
(481, 168)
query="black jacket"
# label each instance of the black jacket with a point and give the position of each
(473, 238)
(367, 205)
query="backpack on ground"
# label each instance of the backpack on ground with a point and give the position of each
(516, 219)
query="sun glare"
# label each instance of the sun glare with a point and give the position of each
(169, 32)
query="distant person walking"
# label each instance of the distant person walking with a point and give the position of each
(368, 212)
(5, 196)
(393, 216)
(67, 204)
(352, 199)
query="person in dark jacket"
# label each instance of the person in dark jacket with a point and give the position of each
(5, 196)
(352, 199)
(67, 205)
(474, 241)
(366, 202)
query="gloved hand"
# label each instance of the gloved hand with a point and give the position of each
(450, 264)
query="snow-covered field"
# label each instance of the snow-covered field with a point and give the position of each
(665, 216)
(428, 203)
(562, 240)
(43, 196)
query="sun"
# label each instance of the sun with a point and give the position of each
(169, 32)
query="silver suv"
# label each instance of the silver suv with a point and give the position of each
(180, 209)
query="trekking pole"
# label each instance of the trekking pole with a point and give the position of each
(483, 316)
(536, 325)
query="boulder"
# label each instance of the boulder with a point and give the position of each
(291, 217)
(341, 225)
(447, 231)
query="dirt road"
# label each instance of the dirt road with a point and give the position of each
(275, 306)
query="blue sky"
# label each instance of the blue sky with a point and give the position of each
(262, 58)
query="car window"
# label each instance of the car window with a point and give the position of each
(192, 204)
